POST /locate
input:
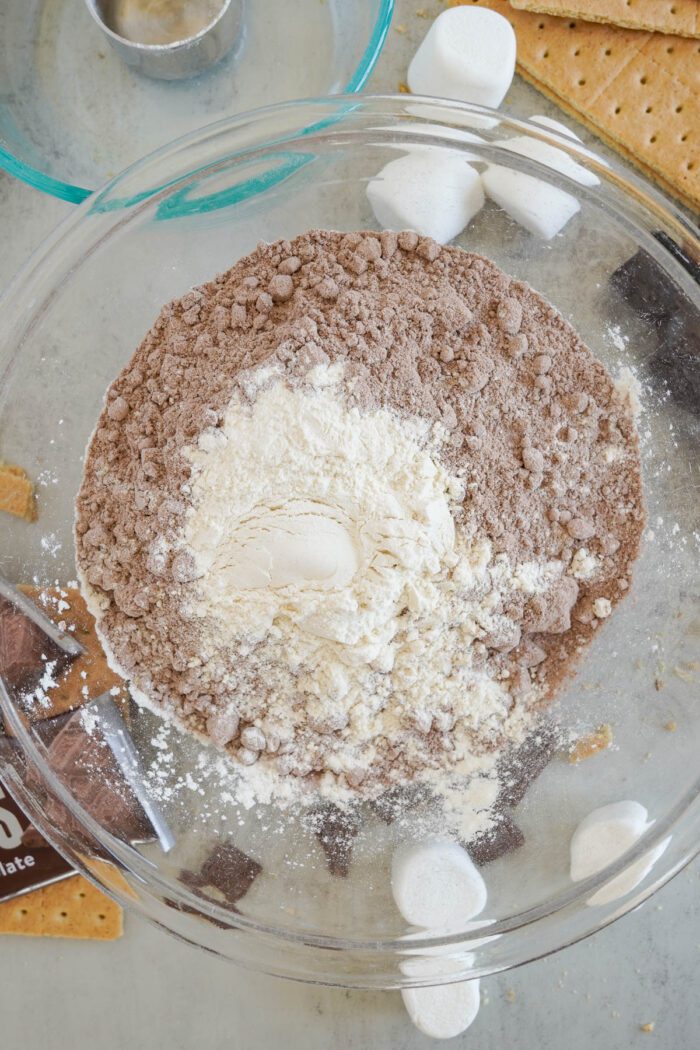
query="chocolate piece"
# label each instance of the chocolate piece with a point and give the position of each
(117, 736)
(26, 859)
(25, 651)
(504, 838)
(336, 829)
(89, 675)
(647, 286)
(683, 253)
(520, 767)
(231, 871)
(677, 361)
(653, 294)
(87, 767)
(228, 870)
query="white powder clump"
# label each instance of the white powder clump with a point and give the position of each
(612, 454)
(583, 564)
(319, 521)
(533, 577)
(630, 390)
(326, 562)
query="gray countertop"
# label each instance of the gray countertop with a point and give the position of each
(150, 991)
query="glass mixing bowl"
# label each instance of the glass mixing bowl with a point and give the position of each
(71, 320)
(73, 114)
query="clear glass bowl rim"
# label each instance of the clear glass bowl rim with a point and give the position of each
(75, 194)
(550, 926)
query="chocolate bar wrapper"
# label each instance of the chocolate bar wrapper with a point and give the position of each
(27, 861)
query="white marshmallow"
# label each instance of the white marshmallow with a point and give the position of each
(464, 959)
(552, 157)
(461, 118)
(542, 209)
(602, 838)
(436, 885)
(554, 125)
(549, 122)
(457, 135)
(467, 54)
(441, 1011)
(627, 880)
(432, 191)
(604, 835)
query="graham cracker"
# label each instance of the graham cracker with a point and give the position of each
(109, 875)
(640, 91)
(16, 492)
(679, 17)
(72, 908)
(564, 104)
(89, 675)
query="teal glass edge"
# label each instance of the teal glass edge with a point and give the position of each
(77, 194)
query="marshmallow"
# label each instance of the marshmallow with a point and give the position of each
(441, 1011)
(464, 959)
(467, 54)
(461, 118)
(432, 191)
(458, 135)
(561, 129)
(552, 157)
(436, 885)
(627, 880)
(554, 125)
(542, 209)
(602, 838)
(604, 835)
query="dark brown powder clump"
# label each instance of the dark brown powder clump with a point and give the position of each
(546, 442)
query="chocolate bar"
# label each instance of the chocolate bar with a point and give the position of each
(653, 294)
(27, 861)
(29, 645)
(100, 766)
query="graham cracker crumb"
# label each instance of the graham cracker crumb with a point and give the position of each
(590, 745)
(16, 492)
(648, 1027)
(671, 726)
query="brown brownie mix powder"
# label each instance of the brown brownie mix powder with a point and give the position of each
(533, 445)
